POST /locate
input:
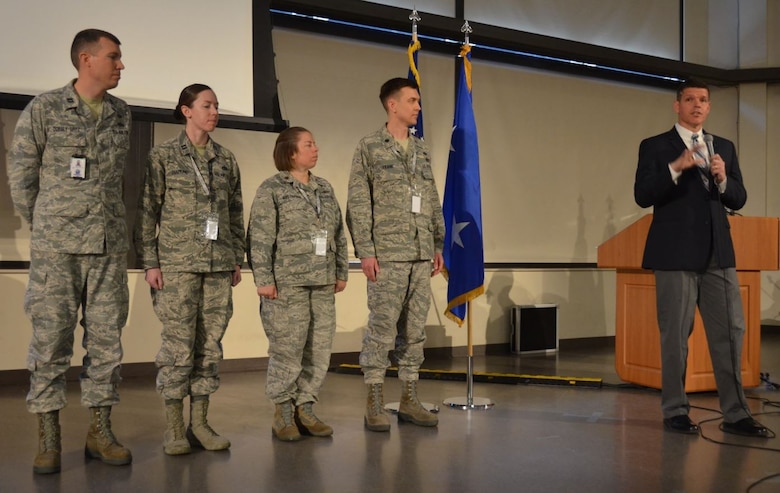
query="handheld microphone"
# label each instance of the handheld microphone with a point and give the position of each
(708, 139)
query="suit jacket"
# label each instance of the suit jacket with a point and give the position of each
(689, 222)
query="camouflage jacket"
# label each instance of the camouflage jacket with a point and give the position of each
(66, 214)
(282, 224)
(382, 182)
(174, 206)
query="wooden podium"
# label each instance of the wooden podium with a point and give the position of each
(637, 339)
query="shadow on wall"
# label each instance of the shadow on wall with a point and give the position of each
(436, 335)
(348, 341)
(499, 326)
(17, 330)
(352, 313)
(609, 226)
(586, 290)
(10, 223)
(584, 302)
(141, 335)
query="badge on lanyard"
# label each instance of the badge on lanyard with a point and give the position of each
(416, 200)
(320, 240)
(78, 167)
(416, 203)
(211, 226)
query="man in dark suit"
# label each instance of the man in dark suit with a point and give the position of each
(690, 250)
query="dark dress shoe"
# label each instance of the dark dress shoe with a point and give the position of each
(748, 427)
(681, 424)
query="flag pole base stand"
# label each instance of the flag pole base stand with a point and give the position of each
(392, 407)
(466, 404)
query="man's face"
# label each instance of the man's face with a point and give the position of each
(405, 106)
(692, 108)
(103, 63)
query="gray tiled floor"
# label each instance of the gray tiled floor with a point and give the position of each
(537, 438)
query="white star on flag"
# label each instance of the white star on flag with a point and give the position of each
(457, 228)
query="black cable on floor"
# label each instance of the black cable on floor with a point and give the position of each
(765, 402)
(770, 384)
(765, 478)
(740, 445)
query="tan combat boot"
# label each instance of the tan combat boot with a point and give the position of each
(283, 426)
(174, 441)
(48, 459)
(101, 442)
(411, 410)
(308, 422)
(199, 433)
(376, 418)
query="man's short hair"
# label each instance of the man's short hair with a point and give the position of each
(86, 39)
(691, 83)
(391, 88)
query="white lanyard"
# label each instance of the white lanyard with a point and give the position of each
(200, 178)
(412, 178)
(318, 206)
(413, 165)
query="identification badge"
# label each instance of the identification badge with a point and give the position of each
(211, 227)
(416, 203)
(320, 240)
(78, 167)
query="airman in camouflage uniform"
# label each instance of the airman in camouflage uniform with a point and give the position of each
(67, 162)
(395, 219)
(298, 253)
(191, 271)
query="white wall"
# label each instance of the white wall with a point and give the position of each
(166, 45)
(650, 28)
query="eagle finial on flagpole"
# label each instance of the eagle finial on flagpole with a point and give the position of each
(466, 30)
(415, 18)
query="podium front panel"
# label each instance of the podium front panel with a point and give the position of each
(637, 338)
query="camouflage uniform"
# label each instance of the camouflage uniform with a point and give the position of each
(301, 322)
(195, 303)
(78, 243)
(379, 216)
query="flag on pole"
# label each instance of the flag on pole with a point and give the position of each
(463, 254)
(414, 74)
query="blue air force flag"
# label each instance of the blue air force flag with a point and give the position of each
(463, 254)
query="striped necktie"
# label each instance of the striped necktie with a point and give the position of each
(703, 169)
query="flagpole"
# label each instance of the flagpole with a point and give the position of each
(471, 402)
(415, 18)
(470, 354)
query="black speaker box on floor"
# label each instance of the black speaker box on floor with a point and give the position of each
(534, 329)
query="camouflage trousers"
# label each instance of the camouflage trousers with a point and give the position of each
(398, 304)
(59, 285)
(299, 324)
(195, 309)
